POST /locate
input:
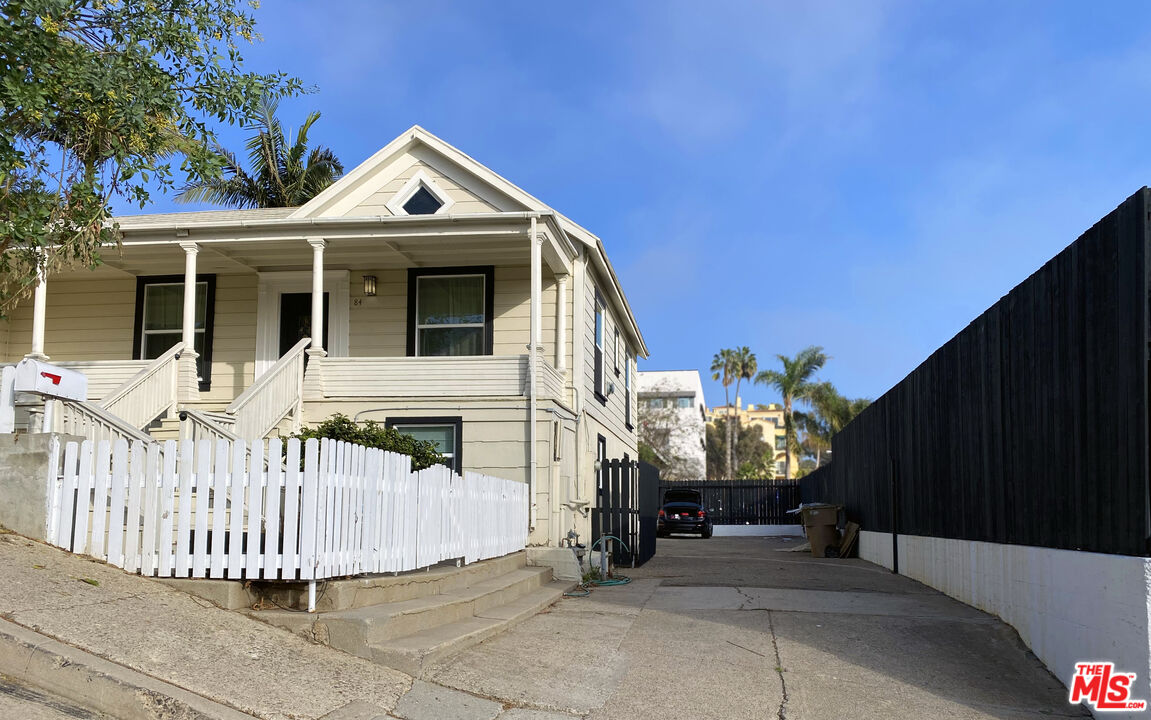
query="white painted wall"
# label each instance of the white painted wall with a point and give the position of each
(1067, 606)
(689, 433)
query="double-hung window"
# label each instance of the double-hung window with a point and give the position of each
(599, 347)
(627, 391)
(160, 319)
(450, 311)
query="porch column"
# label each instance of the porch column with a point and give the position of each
(187, 373)
(561, 322)
(39, 312)
(188, 336)
(317, 347)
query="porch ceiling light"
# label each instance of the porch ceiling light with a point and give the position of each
(369, 286)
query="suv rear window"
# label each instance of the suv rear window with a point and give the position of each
(691, 496)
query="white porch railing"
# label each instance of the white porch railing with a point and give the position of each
(148, 394)
(349, 510)
(89, 420)
(474, 376)
(272, 397)
(7, 399)
(200, 425)
(105, 376)
(550, 381)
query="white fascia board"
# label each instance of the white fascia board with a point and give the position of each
(620, 300)
(359, 174)
(314, 226)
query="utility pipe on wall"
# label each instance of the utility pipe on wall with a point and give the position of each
(533, 365)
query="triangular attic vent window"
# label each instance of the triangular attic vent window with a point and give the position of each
(422, 202)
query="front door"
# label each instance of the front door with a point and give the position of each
(296, 319)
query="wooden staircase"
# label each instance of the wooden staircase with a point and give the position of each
(412, 621)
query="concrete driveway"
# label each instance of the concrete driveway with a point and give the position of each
(735, 627)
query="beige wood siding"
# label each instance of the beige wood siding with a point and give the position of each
(87, 318)
(234, 338)
(379, 325)
(465, 201)
(494, 433)
(611, 414)
(93, 319)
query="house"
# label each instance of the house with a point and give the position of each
(672, 421)
(769, 420)
(421, 290)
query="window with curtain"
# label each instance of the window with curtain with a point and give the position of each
(160, 319)
(451, 315)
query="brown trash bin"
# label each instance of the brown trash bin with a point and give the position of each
(819, 523)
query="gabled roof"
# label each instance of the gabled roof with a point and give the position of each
(338, 202)
(373, 173)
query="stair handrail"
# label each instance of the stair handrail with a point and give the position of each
(165, 362)
(95, 423)
(257, 421)
(207, 425)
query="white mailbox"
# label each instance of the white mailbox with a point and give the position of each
(33, 376)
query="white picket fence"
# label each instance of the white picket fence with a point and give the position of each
(210, 509)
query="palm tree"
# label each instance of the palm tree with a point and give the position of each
(794, 384)
(723, 369)
(744, 366)
(831, 412)
(280, 175)
(732, 366)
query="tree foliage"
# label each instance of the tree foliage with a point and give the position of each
(754, 456)
(795, 382)
(830, 413)
(100, 99)
(373, 435)
(281, 175)
(728, 366)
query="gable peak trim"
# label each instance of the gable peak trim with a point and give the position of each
(420, 179)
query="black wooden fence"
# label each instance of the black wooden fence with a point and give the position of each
(745, 502)
(1028, 427)
(626, 508)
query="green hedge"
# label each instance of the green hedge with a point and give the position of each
(372, 434)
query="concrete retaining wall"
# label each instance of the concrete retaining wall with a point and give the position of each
(23, 483)
(756, 530)
(1067, 606)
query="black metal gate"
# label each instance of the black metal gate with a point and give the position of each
(626, 508)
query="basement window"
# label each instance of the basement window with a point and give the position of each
(446, 433)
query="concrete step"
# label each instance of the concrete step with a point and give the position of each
(415, 654)
(369, 591)
(369, 626)
(433, 614)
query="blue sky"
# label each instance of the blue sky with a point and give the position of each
(866, 176)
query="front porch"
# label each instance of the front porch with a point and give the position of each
(227, 341)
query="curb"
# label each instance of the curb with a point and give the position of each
(100, 684)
